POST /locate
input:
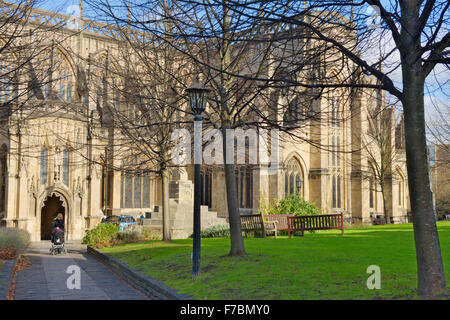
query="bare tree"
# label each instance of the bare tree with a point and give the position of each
(381, 152)
(211, 29)
(145, 101)
(437, 125)
(241, 59)
(207, 36)
(152, 87)
(439, 142)
(417, 31)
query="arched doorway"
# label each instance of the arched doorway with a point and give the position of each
(52, 206)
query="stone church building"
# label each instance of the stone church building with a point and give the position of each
(53, 154)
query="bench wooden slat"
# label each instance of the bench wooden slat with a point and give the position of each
(253, 223)
(282, 220)
(257, 223)
(319, 222)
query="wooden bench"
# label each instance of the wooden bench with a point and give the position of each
(255, 223)
(280, 220)
(318, 222)
(379, 220)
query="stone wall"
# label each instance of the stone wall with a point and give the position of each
(181, 206)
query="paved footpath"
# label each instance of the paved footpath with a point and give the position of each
(46, 278)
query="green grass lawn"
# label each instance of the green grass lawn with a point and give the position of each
(321, 265)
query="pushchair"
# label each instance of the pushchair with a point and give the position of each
(57, 242)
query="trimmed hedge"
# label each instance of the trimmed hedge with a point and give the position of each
(102, 235)
(139, 234)
(218, 231)
(108, 234)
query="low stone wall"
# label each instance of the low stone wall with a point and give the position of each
(370, 221)
(154, 289)
(6, 277)
(402, 219)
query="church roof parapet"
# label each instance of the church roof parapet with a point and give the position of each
(54, 19)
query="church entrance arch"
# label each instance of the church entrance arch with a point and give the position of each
(53, 204)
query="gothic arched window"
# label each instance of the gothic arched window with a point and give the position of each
(372, 190)
(122, 188)
(293, 179)
(52, 73)
(65, 88)
(134, 187)
(371, 197)
(146, 190)
(401, 189)
(206, 187)
(335, 140)
(336, 110)
(292, 113)
(137, 190)
(244, 183)
(6, 88)
(296, 111)
(336, 191)
(128, 190)
(63, 79)
(43, 165)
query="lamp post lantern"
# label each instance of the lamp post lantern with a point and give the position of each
(197, 98)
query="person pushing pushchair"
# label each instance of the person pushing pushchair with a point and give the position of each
(58, 235)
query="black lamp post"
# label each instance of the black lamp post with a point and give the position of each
(197, 98)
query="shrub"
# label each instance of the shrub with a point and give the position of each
(138, 234)
(127, 236)
(146, 234)
(292, 204)
(108, 234)
(218, 231)
(102, 235)
(12, 242)
(442, 209)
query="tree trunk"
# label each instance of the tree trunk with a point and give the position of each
(237, 242)
(165, 204)
(386, 211)
(430, 270)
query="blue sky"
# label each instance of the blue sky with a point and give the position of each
(437, 90)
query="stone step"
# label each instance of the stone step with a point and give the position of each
(182, 221)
